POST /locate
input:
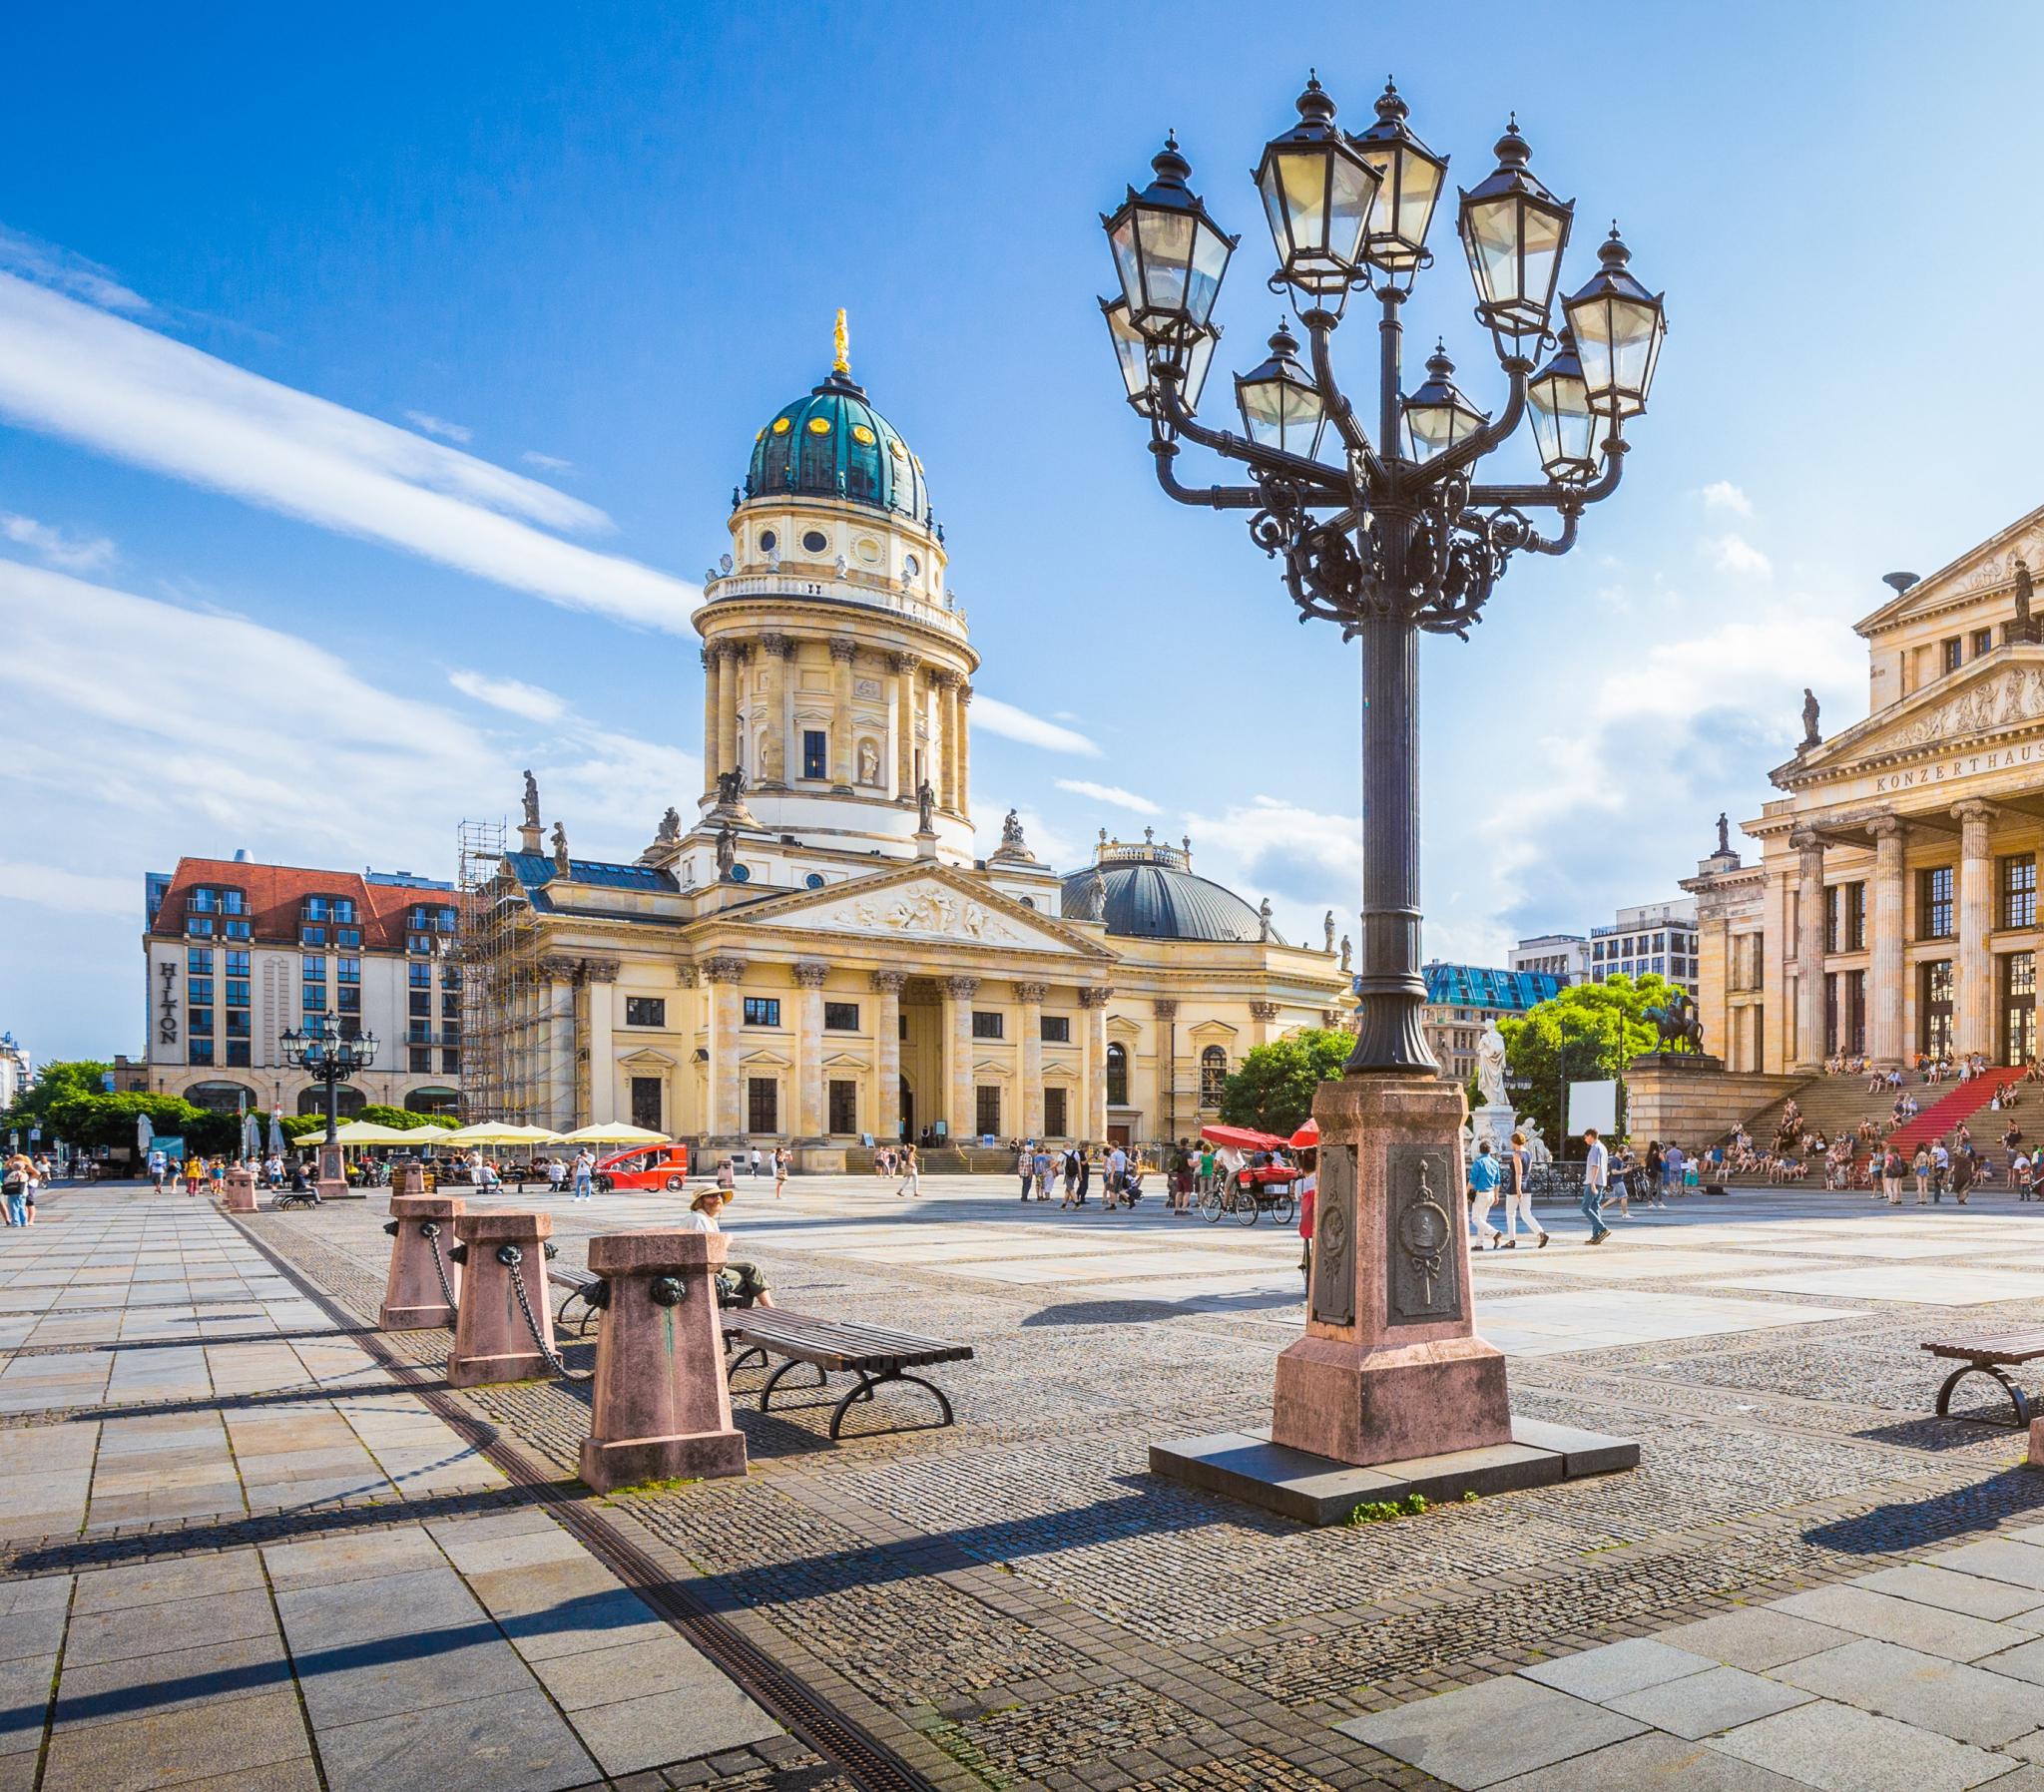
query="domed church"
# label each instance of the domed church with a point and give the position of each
(817, 958)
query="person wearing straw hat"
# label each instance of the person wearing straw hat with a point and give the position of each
(742, 1279)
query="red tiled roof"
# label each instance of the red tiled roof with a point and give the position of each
(276, 895)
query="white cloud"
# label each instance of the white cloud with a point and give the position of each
(1125, 799)
(48, 887)
(1304, 861)
(547, 463)
(49, 265)
(139, 397)
(1735, 554)
(1005, 719)
(1724, 495)
(439, 426)
(74, 552)
(519, 698)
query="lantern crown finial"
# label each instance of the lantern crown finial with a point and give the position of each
(1513, 150)
(1612, 253)
(1438, 363)
(1390, 107)
(1314, 107)
(1167, 165)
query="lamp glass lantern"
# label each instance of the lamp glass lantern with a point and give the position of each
(1566, 426)
(1281, 406)
(1318, 195)
(1170, 254)
(1619, 326)
(1135, 353)
(1514, 232)
(1410, 178)
(1437, 416)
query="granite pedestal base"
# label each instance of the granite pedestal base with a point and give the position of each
(240, 1195)
(1317, 1490)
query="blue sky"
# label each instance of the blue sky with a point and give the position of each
(372, 389)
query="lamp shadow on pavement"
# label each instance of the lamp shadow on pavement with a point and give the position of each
(1977, 1507)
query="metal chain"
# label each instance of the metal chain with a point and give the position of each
(513, 1258)
(431, 1232)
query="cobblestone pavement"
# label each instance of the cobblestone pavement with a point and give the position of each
(1014, 1602)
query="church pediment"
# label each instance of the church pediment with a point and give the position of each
(923, 902)
(1988, 568)
(2005, 695)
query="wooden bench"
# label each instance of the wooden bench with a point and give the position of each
(1986, 1356)
(874, 1353)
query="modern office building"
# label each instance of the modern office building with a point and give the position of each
(1657, 938)
(1560, 955)
(1462, 1000)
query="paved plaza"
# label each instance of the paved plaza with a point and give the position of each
(249, 1542)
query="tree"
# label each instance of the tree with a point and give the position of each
(404, 1119)
(95, 1120)
(61, 1081)
(1587, 1032)
(1273, 1092)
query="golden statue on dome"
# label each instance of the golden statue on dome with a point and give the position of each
(842, 364)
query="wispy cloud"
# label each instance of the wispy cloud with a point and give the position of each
(74, 552)
(546, 463)
(510, 694)
(137, 396)
(48, 886)
(1123, 799)
(1724, 496)
(439, 426)
(1735, 554)
(1288, 852)
(997, 718)
(49, 265)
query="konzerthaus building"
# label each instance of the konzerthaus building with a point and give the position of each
(819, 956)
(1894, 908)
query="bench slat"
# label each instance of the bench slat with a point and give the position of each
(834, 1344)
(2006, 1347)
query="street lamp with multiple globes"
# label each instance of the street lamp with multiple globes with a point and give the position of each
(1394, 537)
(331, 1057)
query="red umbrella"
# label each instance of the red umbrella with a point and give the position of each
(1308, 1138)
(1243, 1138)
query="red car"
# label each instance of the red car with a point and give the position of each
(644, 1166)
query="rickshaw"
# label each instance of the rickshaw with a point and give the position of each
(1263, 1185)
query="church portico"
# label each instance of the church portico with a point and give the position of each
(1893, 912)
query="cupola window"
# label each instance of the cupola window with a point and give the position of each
(815, 542)
(769, 541)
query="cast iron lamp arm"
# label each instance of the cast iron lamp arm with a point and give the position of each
(1491, 435)
(1214, 497)
(1319, 329)
(1554, 495)
(1234, 447)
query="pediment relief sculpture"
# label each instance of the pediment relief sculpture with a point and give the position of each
(2012, 696)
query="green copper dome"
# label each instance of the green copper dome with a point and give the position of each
(833, 444)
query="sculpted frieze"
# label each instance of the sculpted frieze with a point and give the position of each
(929, 910)
(2016, 695)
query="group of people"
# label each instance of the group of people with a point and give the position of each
(20, 1177)
(1041, 1171)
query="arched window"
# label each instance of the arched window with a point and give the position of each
(1213, 1073)
(1117, 1075)
(433, 1101)
(348, 1102)
(224, 1097)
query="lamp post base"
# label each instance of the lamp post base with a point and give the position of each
(1390, 1367)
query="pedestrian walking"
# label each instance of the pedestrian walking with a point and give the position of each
(1483, 1182)
(1085, 1172)
(195, 1174)
(1673, 1165)
(157, 1164)
(1309, 1203)
(14, 1186)
(911, 1177)
(1941, 1167)
(1519, 1192)
(1891, 1175)
(1962, 1175)
(584, 1167)
(1071, 1169)
(1041, 1166)
(1117, 1170)
(1920, 1167)
(758, 1162)
(782, 1156)
(1596, 1178)
(1025, 1168)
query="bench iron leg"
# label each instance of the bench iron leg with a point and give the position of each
(864, 1391)
(2016, 1396)
(793, 1362)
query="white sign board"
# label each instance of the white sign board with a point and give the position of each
(1592, 1104)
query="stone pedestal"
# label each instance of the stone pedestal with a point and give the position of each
(240, 1195)
(1390, 1367)
(1690, 1099)
(413, 1300)
(2036, 1456)
(332, 1176)
(492, 1341)
(408, 1180)
(661, 1407)
(1495, 1124)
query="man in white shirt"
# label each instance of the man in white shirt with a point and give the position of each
(1596, 1177)
(1117, 1167)
(584, 1167)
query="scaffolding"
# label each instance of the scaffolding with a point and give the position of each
(501, 1023)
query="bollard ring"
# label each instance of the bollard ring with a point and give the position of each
(667, 1290)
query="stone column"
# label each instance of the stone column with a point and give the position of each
(1094, 1001)
(842, 650)
(808, 1023)
(1885, 924)
(712, 709)
(600, 975)
(946, 779)
(1262, 1015)
(887, 1055)
(965, 749)
(1165, 1010)
(958, 994)
(731, 663)
(773, 757)
(904, 666)
(723, 976)
(1810, 950)
(1973, 1000)
(1031, 996)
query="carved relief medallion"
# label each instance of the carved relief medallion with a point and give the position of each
(1335, 1237)
(1423, 1255)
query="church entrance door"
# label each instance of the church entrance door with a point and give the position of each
(907, 1111)
(2018, 1008)
(1935, 1007)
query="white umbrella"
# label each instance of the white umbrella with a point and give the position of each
(276, 1134)
(145, 1137)
(369, 1133)
(613, 1130)
(487, 1132)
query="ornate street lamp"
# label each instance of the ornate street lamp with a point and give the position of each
(1397, 539)
(1135, 353)
(330, 1056)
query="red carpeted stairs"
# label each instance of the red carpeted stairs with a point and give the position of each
(1965, 1100)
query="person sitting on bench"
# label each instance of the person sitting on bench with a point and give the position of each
(742, 1279)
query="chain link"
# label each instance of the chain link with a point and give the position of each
(513, 1258)
(431, 1234)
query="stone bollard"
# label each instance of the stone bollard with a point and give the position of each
(2036, 1457)
(407, 1180)
(240, 1195)
(662, 1408)
(413, 1298)
(492, 1341)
